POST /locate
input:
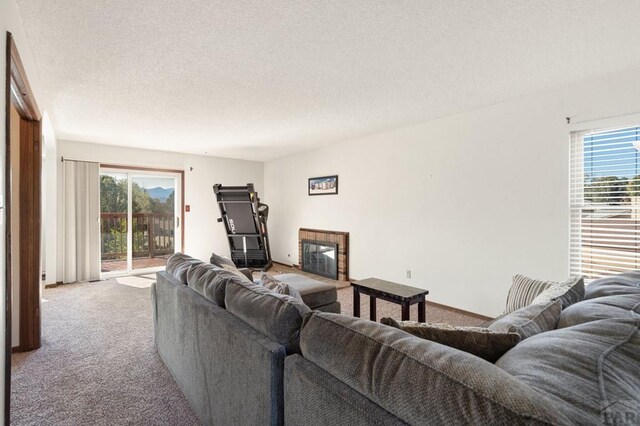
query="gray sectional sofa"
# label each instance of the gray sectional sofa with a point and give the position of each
(267, 359)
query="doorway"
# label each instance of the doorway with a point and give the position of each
(140, 220)
(22, 215)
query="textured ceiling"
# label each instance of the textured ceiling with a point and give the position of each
(262, 79)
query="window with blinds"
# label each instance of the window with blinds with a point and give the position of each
(605, 202)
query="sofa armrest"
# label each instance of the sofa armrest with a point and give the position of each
(247, 273)
(416, 379)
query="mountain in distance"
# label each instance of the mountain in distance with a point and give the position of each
(159, 192)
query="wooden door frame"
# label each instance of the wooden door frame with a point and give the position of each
(19, 94)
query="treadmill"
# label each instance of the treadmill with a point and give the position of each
(245, 221)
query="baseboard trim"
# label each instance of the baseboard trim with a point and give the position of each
(458, 310)
(283, 264)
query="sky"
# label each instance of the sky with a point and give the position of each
(151, 182)
(612, 153)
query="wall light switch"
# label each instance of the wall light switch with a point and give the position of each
(187, 208)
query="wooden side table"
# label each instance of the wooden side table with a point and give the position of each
(391, 292)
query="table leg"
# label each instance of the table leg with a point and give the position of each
(372, 308)
(356, 303)
(405, 312)
(422, 316)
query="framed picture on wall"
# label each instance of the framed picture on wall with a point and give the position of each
(325, 185)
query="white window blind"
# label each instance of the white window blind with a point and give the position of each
(605, 202)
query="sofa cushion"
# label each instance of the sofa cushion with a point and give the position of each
(277, 286)
(522, 292)
(178, 265)
(606, 307)
(210, 281)
(277, 316)
(314, 293)
(590, 366)
(479, 341)
(568, 292)
(530, 320)
(627, 283)
(419, 381)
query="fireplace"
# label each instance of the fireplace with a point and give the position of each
(320, 258)
(325, 253)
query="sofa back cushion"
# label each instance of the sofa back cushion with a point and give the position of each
(627, 283)
(211, 281)
(277, 316)
(592, 366)
(607, 307)
(530, 320)
(178, 265)
(419, 381)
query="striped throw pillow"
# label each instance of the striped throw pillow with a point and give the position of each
(522, 292)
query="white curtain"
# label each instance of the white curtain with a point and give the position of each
(81, 221)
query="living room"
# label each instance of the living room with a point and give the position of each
(455, 134)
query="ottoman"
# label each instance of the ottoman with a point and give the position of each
(315, 294)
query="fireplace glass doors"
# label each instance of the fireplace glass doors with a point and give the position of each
(320, 258)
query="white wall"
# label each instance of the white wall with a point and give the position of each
(464, 202)
(203, 234)
(9, 21)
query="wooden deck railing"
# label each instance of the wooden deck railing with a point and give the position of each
(153, 234)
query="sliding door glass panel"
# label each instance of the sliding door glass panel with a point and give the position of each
(113, 221)
(153, 220)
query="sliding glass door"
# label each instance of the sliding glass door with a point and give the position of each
(140, 220)
(114, 230)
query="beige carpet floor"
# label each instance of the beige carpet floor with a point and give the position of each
(98, 365)
(392, 310)
(383, 309)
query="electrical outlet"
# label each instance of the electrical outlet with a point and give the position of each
(409, 273)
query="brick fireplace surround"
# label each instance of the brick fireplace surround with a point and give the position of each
(339, 238)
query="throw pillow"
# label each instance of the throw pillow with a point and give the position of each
(522, 292)
(568, 292)
(226, 264)
(220, 261)
(530, 320)
(481, 342)
(279, 287)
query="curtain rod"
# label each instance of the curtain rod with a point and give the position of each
(62, 159)
(613, 117)
(128, 166)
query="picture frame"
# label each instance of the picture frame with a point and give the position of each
(323, 185)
